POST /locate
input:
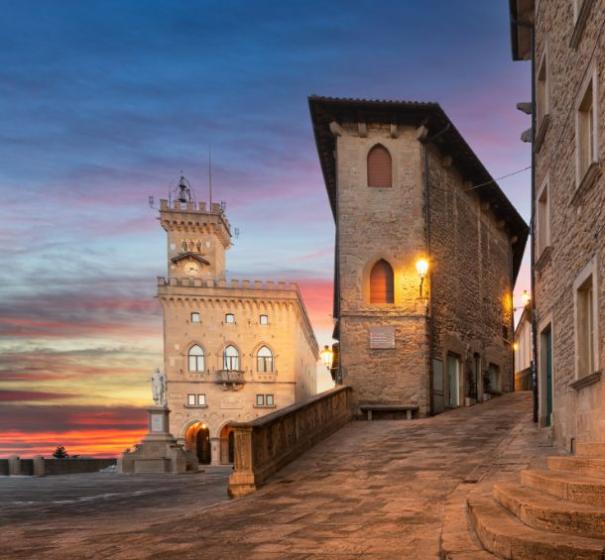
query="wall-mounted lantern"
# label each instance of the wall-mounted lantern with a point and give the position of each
(327, 356)
(422, 267)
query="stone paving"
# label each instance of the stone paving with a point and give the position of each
(378, 490)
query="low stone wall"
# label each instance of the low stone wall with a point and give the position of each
(39, 466)
(265, 445)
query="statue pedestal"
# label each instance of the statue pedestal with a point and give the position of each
(159, 451)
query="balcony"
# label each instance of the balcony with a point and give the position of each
(230, 379)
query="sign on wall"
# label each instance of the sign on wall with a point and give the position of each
(382, 337)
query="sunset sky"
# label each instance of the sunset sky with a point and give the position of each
(105, 103)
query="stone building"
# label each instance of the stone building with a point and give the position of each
(233, 350)
(406, 190)
(568, 248)
(523, 347)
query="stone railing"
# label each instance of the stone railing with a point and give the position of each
(265, 445)
(40, 466)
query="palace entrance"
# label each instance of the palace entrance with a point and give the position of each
(227, 445)
(198, 440)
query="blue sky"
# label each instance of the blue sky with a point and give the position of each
(105, 103)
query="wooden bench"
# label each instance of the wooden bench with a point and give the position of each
(409, 409)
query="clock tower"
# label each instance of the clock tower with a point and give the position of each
(197, 236)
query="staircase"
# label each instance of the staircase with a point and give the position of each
(553, 514)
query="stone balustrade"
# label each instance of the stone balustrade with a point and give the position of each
(265, 445)
(41, 466)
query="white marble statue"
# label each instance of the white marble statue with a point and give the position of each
(158, 388)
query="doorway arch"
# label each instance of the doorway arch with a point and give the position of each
(227, 439)
(197, 438)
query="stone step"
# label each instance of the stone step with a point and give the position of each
(507, 537)
(566, 485)
(590, 449)
(541, 511)
(585, 465)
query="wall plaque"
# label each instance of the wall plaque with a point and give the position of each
(157, 424)
(382, 337)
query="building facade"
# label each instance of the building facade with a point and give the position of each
(565, 43)
(523, 347)
(233, 350)
(427, 252)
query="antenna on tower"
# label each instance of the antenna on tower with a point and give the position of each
(210, 176)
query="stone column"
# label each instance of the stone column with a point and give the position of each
(14, 465)
(39, 469)
(241, 481)
(215, 451)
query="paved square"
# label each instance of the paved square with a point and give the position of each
(373, 490)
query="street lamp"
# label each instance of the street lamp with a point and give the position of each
(422, 267)
(525, 298)
(327, 356)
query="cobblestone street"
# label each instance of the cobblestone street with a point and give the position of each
(374, 490)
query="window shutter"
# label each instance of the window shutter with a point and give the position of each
(380, 172)
(381, 283)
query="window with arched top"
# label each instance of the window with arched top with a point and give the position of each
(231, 358)
(264, 360)
(380, 167)
(196, 358)
(381, 283)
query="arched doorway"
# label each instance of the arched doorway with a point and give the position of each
(227, 445)
(198, 440)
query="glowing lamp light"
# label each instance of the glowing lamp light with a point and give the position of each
(422, 267)
(515, 346)
(525, 298)
(327, 356)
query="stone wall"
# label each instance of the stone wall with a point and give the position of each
(288, 334)
(373, 224)
(466, 305)
(265, 445)
(41, 466)
(471, 280)
(577, 215)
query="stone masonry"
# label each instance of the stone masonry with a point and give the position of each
(570, 237)
(452, 342)
(196, 300)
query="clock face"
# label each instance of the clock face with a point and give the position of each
(191, 268)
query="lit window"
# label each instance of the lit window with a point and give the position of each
(196, 358)
(379, 167)
(586, 328)
(229, 318)
(195, 317)
(269, 400)
(543, 211)
(381, 283)
(201, 400)
(231, 359)
(264, 360)
(191, 400)
(260, 400)
(264, 319)
(586, 135)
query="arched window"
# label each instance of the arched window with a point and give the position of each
(380, 168)
(196, 358)
(231, 359)
(381, 283)
(264, 360)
